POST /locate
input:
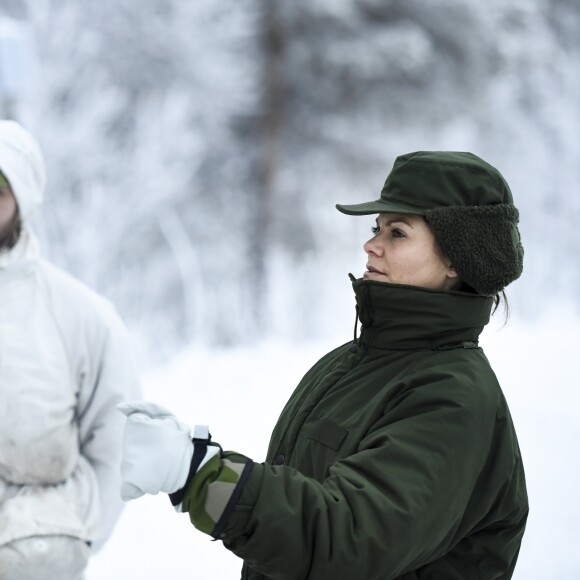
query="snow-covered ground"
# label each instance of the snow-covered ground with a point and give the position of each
(241, 392)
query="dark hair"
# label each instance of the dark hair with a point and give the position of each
(501, 298)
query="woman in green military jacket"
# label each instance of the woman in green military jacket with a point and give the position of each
(396, 456)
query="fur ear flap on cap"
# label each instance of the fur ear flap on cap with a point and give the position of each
(482, 242)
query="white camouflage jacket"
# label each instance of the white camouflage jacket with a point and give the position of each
(65, 363)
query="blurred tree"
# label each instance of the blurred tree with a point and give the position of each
(365, 80)
(195, 150)
(146, 199)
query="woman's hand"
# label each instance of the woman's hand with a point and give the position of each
(157, 450)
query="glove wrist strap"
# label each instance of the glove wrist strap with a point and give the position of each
(200, 440)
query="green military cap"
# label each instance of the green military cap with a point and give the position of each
(469, 206)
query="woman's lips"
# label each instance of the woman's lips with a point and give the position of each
(372, 271)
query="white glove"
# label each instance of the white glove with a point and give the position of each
(157, 450)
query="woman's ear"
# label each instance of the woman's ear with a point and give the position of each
(451, 271)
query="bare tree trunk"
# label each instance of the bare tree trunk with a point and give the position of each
(267, 163)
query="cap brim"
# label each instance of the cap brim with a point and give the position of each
(378, 206)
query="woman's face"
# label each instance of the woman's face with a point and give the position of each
(403, 250)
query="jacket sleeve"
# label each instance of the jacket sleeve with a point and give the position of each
(397, 503)
(107, 376)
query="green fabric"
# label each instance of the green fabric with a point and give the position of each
(210, 491)
(470, 207)
(3, 181)
(418, 318)
(13, 230)
(425, 180)
(397, 461)
(498, 258)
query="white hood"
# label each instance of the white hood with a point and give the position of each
(22, 163)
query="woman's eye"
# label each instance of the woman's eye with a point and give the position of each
(396, 233)
(375, 230)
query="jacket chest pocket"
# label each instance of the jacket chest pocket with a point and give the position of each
(319, 446)
(327, 433)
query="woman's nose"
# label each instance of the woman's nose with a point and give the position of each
(373, 246)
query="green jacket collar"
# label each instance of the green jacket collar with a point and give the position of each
(399, 317)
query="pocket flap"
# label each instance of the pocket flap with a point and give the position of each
(328, 433)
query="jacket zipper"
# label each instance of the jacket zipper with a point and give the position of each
(354, 346)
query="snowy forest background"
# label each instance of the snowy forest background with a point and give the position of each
(195, 152)
(196, 149)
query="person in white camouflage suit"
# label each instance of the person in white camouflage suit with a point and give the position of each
(64, 365)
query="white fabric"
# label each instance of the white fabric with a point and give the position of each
(22, 163)
(44, 558)
(201, 432)
(65, 363)
(157, 450)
